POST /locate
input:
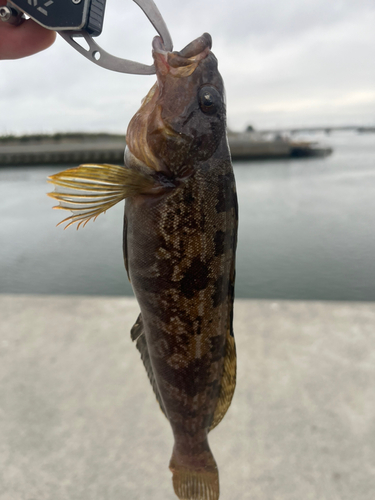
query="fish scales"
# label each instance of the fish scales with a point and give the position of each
(180, 254)
(180, 237)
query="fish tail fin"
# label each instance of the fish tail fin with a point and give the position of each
(89, 190)
(195, 479)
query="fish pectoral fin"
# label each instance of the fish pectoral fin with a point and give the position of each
(137, 334)
(89, 190)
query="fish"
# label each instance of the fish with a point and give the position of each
(180, 238)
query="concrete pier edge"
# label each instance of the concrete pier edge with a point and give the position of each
(79, 421)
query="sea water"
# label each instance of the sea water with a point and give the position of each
(306, 231)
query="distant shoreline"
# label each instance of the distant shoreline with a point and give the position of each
(59, 137)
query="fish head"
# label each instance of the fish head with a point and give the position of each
(183, 118)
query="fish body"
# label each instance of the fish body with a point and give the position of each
(179, 250)
(180, 236)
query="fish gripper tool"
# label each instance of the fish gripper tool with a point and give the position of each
(73, 19)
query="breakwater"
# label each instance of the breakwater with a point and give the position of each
(243, 147)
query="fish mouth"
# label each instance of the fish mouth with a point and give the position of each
(190, 56)
(197, 46)
(192, 49)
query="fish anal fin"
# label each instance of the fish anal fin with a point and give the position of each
(228, 382)
(138, 336)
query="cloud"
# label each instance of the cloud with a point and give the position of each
(284, 63)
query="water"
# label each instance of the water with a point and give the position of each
(306, 231)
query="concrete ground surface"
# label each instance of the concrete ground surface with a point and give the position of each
(78, 419)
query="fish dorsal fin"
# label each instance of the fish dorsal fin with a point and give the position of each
(89, 190)
(138, 336)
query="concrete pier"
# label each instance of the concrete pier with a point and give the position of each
(79, 421)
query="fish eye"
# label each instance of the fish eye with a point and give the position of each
(209, 100)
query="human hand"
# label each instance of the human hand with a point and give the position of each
(24, 40)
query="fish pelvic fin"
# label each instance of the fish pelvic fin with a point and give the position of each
(192, 481)
(137, 334)
(89, 190)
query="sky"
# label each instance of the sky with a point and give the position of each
(285, 64)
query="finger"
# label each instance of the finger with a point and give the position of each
(24, 40)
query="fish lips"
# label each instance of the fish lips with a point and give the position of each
(195, 51)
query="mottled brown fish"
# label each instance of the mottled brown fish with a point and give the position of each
(180, 235)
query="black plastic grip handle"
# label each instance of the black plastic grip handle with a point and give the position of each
(60, 15)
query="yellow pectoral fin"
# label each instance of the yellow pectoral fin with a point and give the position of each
(89, 190)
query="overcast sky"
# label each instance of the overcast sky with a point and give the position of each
(284, 63)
